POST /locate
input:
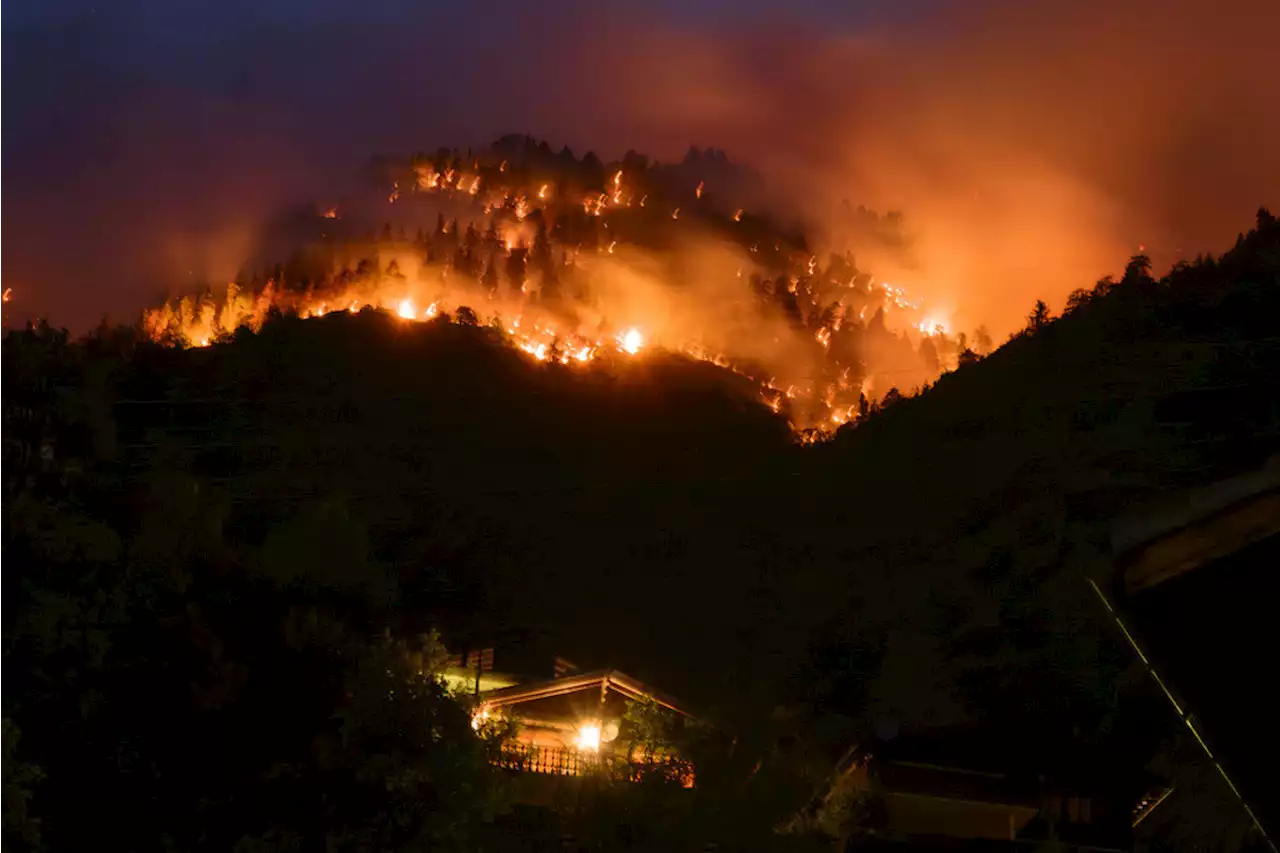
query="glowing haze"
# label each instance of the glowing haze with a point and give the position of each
(569, 261)
(1031, 147)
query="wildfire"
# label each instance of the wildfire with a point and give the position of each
(932, 326)
(507, 281)
(631, 341)
(898, 296)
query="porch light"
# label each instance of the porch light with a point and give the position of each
(589, 737)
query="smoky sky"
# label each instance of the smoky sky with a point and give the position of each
(1031, 146)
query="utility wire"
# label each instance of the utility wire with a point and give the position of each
(1183, 714)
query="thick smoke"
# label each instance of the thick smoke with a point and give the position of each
(1031, 147)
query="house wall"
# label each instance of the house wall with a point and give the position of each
(921, 814)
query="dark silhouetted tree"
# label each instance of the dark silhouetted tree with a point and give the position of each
(1137, 271)
(1077, 299)
(1039, 317)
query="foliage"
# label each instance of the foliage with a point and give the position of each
(205, 552)
(20, 828)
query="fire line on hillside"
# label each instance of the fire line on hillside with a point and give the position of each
(568, 264)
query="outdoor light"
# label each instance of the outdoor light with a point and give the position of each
(589, 737)
(479, 718)
(610, 731)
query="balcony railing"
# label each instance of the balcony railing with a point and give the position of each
(565, 761)
(553, 761)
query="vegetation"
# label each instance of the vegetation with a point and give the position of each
(223, 565)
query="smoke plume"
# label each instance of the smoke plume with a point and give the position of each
(1031, 147)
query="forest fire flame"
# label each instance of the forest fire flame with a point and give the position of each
(557, 270)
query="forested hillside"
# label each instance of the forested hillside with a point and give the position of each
(207, 551)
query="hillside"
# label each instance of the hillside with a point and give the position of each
(572, 258)
(648, 508)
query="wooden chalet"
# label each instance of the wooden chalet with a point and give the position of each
(569, 723)
(1192, 578)
(973, 788)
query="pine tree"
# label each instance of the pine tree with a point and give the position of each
(1039, 317)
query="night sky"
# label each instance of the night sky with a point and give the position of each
(145, 143)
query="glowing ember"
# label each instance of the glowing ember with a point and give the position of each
(532, 275)
(932, 326)
(631, 341)
(698, 192)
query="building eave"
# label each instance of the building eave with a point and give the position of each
(1197, 527)
(607, 679)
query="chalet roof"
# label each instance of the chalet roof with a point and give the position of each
(986, 750)
(1196, 527)
(607, 679)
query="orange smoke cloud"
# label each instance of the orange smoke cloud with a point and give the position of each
(1031, 146)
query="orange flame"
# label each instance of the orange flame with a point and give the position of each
(816, 406)
(631, 341)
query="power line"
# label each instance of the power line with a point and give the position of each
(1183, 715)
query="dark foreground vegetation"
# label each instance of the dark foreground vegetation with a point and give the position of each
(223, 568)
